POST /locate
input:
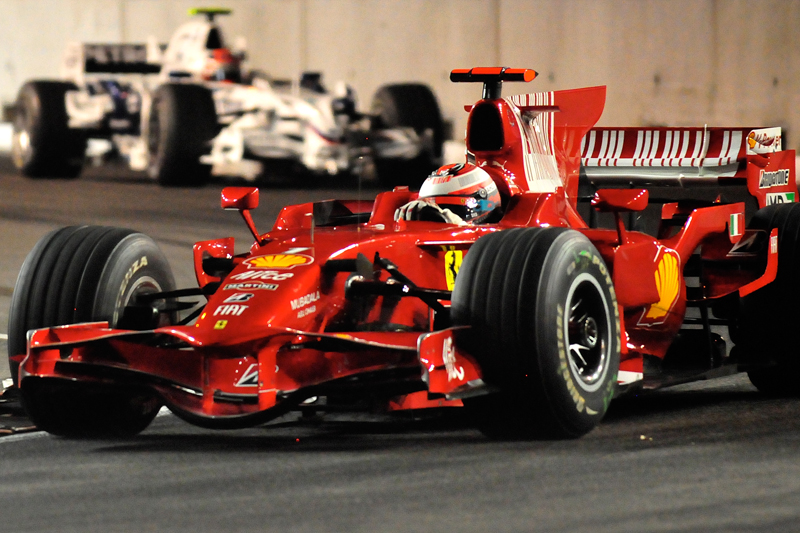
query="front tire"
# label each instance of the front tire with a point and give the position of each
(81, 274)
(545, 329)
(183, 122)
(42, 144)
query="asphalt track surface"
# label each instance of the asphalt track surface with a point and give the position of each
(709, 456)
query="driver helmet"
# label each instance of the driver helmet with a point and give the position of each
(466, 190)
(222, 65)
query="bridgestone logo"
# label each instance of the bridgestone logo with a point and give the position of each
(139, 263)
(777, 178)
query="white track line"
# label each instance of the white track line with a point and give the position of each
(3, 337)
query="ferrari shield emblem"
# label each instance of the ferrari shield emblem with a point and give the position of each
(452, 262)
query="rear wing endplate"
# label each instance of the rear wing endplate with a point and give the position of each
(109, 58)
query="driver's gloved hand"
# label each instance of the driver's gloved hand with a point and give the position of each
(427, 211)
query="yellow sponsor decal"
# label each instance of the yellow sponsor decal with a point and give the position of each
(220, 324)
(279, 261)
(668, 284)
(452, 262)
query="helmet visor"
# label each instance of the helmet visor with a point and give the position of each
(470, 208)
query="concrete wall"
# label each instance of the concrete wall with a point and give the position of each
(666, 62)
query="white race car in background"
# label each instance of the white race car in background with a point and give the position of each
(185, 110)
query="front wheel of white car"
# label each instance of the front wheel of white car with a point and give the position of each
(183, 122)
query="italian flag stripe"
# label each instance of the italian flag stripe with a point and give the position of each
(735, 227)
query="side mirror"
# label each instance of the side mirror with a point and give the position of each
(243, 199)
(240, 198)
(620, 200)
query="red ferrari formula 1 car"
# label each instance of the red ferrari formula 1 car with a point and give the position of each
(534, 321)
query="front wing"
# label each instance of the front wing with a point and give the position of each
(251, 382)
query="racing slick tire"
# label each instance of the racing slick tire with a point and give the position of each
(765, 329)
(182, 124)
(42, 143)
(409, 105)
(82, 274)
(545, 330)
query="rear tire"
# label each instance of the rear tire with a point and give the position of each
(183, 122)
(43, 145)
(80, 274)
(765, 329)
(545, 330)
(409, 105)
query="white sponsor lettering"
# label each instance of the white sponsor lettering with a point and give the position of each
(307, 311)
(449, 357)
(263, 274)
(230, 310)
(303, 301)
(250, 286)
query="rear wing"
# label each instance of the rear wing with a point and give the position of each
(689, 157)
(109, 58)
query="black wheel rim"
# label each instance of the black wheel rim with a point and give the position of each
(140, 287)
(588, 332)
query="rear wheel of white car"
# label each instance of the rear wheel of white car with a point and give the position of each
(545, 330)
(81, 274)
(409, 105)
(764, 333)
(183, 122)
(42, 143)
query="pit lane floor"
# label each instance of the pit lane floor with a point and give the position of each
(709, 456)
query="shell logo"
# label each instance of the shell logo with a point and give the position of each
(751, 140)
(762, 139)
(668, 284)
(279, 261)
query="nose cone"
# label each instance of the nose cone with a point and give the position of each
(270, 292)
